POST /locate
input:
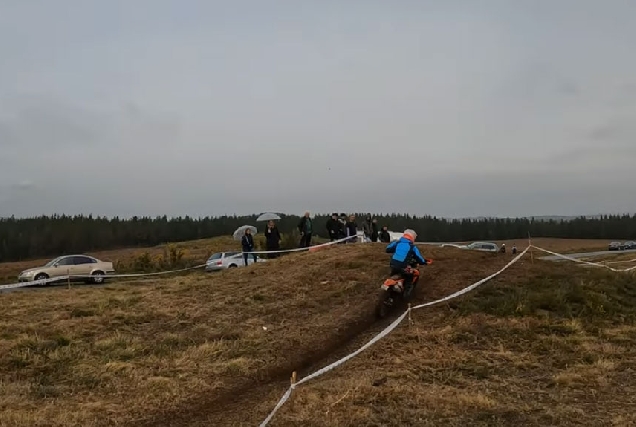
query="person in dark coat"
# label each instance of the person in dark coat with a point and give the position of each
(272, 239)
(366, 228)
(351, 228)
(305, 228)
(374, 230)
(385, 236)
(342, 228)
(247, 242)
(333, 227)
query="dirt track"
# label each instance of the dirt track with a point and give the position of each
(249, 402)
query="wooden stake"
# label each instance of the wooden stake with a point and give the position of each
(410, 318)
(530, 246)
(293, 378)
(68, 278)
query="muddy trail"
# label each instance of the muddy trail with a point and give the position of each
(249, 400)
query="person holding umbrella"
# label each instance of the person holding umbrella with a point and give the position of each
(247, 243)
(272, 239)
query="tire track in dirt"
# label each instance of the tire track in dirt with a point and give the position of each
(234, 406)
(207, 408)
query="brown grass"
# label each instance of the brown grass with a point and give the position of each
(536, 346)
(68, 357)
(554, 348)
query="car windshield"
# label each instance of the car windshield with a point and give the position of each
(53, 261)
(216, 256)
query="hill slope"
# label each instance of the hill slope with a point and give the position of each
(167, 346)
(556, 349)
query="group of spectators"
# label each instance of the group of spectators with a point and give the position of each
(339, 227)
(345, 228)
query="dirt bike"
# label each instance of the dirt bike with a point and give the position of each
(392, 291)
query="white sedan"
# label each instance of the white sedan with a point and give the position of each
(223, 260)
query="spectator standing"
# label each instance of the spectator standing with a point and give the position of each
(305, 228)
(351, 228)
(385, 236)
(272, 239)
(247, 242)
(342, 228)
(333, 227)
(514, 249)
(366, 228)
(374, 230)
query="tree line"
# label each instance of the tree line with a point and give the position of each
(24, 238)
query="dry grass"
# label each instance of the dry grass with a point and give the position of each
(536, 347)
(100, 356)
(557, 348)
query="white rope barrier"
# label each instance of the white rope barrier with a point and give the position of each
(381, 335)
(160, 273)
(580, 261)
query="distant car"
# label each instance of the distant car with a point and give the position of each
(629, 245)
(482, 246)
(70, 265)
(223, 260)
(615, 246)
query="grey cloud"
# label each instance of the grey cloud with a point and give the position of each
(45, 124)
(454, 108)
(24, 185)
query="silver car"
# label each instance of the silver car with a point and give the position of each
(82, 266)
(483, 246)
(223, 260)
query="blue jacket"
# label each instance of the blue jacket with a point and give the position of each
(403, 252)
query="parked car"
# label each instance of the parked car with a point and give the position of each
(615, 246)
(223, 260)
(629, 245)
(70, 265)
(482, 246)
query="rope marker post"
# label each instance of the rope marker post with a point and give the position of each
(530, 246)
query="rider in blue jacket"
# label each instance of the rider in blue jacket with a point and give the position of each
(404, 253)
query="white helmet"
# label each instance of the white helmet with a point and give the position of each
(411, 233)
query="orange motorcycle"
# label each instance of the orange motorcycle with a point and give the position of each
(393, 290)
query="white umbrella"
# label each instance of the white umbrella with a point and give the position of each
(268, 216)
(238, 234)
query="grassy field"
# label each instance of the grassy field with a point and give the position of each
(543, 344)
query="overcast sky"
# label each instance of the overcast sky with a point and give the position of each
(451, 108)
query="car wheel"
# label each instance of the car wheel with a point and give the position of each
(41, 276)
(98, 277)
(232, 266)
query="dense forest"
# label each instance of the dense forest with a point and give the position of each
(23, 238)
